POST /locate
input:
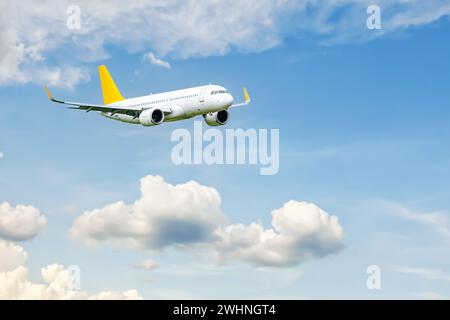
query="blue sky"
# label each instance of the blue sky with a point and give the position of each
(364, 133)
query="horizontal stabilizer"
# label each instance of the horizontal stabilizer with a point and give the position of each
(94, 107)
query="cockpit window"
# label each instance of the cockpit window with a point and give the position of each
(219, 91)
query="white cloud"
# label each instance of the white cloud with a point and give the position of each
(300, 231)
(132, 294)
(415, 13)
(165, 215)
(20, 222)
(147, 264)
(1, 155)
(57, 285)
(26, 40)
(180, 29)
(64, 77)
(150, 56)
(11, 256)
(189, 216)
(58, 282)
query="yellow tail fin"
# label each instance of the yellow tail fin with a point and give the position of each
(246, 96)
(110, 92)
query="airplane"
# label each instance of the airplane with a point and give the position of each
(210, 101)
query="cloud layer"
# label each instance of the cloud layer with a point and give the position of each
(179, 29)
(20, 223)
(188, 216)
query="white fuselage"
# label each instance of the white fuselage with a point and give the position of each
(177, 105)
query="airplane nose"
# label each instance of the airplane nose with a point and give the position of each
(229, 99)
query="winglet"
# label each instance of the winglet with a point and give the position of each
(247, 100)
(49, 94)
(246, 96)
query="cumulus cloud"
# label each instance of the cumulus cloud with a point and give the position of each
(188, 216)
(57, 281)
(11, 256)
(165, 215)
(150, 56)
(180, 29)
(57, 285)
(20, 223)
(300, 231)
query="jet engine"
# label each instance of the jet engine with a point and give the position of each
(217, 118)
(151, 117)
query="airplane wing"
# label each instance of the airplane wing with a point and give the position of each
(247, 100)
(96, 107)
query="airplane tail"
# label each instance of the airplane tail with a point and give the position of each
(109, 89)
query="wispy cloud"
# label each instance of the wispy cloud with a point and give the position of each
(425, 273)
(150, 56)
(147, 264)
(439, 222)
(428, 295)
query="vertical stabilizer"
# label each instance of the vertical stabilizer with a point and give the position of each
(109, 89)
